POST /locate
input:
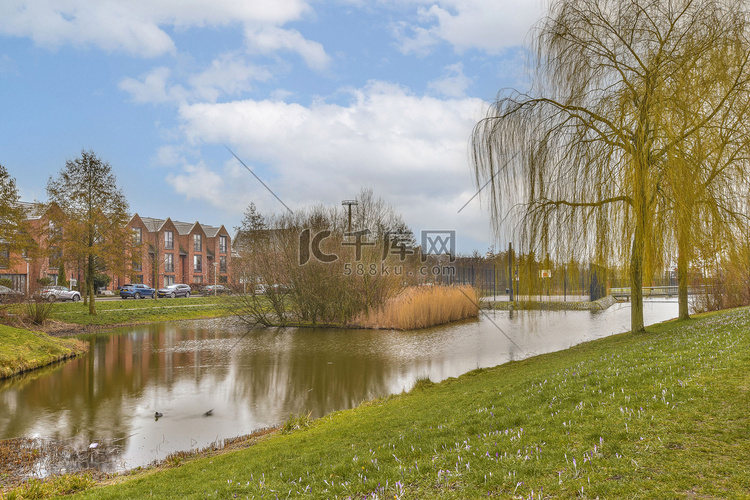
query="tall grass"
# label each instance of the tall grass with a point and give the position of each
(423, 306)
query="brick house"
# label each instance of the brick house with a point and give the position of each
(170, 252)
(181, 252)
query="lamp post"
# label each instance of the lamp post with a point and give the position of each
(28, 278)
(350, 203)
(216, 271)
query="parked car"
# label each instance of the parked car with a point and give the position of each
(137, 291)
(172, 291)
(54, 293)
(214, 289)
(9, 295)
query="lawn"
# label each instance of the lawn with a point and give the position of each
(656, 415)
(22, 350)
(114, 312)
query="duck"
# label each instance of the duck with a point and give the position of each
(157, 414)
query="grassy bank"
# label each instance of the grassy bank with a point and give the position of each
(22, 350)
(657, 415)
(115, 312)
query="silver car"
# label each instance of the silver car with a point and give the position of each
(53, 293)
(172, 291)
(8, 294)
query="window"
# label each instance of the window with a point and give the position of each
(168, 263)
(222, 279)
(222, 244)
(55, 257)
(168, 240)
(137, 236)
(137, 265)
(197, 279)
(197, 243)
(4, 257)
(137, 278)
(197, 264)
(168, 279)
(222, 263)
(54, 231)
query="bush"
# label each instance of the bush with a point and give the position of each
(315, 274)
(6, 282)
(37, 310)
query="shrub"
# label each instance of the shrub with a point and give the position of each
(37, 310)
(296, 422)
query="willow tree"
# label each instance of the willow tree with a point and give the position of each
(581, 159)
(93, 227)
(705, 187)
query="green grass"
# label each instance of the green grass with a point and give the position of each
(656, 415)
(22, 350)
(114, 312)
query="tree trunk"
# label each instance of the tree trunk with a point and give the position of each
(636, 260)
(682, 282)
(90, 286)
(636, 285)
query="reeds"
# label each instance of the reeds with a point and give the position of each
(423, 306)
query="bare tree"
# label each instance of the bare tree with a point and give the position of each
(581, 160)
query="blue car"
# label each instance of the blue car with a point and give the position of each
(137, 291)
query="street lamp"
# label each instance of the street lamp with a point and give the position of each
(350, 203)
(28, 278)
(216, 272)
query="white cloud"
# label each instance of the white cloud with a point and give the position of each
(453, 82)
(488, 25)
(410, 149)
(227, 75)
(153, 87)
(133, 26)
(270, 39)
(198, 182)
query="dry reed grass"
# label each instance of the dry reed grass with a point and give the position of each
(423, 306)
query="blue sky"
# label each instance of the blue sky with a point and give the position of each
(320, 98)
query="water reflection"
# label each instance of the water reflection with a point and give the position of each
(258, 378)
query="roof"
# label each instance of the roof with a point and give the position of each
(210, 231)
(33, 211)
(154, 225)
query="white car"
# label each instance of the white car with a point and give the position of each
(55, 292)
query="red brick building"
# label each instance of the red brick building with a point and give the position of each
(39, 262)
(168, 252)
(164, 252)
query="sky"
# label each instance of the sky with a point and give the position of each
(320, 98)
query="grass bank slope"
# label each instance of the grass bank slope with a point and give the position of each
(656, 415)
(22, 350)
(116, 312)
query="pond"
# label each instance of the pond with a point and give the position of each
(257, 378)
